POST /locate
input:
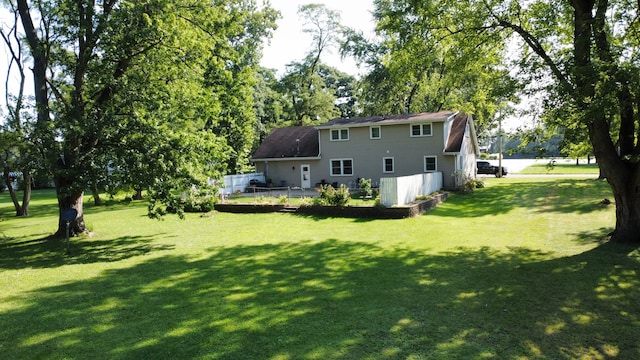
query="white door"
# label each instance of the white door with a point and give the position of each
(305, 176)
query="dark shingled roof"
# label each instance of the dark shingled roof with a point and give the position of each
(281, 143)
(456, 136)
(389, 119)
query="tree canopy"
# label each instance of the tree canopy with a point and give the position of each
(581, 54)
(418, 62)
(152, 90)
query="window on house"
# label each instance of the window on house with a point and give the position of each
(374, 132)
(339, 134)
(421, 130)
(430, 164)
(341, 167)
(387, 165)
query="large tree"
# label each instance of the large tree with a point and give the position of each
(582, 53)
(16, 152)
(409, 71)
(128, 84)
(269, 104)
(309, 99)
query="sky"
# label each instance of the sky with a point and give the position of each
(290, 43)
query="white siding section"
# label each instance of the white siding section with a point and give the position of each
(405, 189)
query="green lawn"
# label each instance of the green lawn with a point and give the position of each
(560, 168)
(516, 270)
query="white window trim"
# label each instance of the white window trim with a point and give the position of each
(384, 165)
(341, 167)
(339, 134)
(421, 129)
(424, 163)
(371, 133)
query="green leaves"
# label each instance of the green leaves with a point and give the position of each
(431, 56)
(148, 94)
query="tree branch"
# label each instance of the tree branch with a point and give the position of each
(16, 58)
(536, 46)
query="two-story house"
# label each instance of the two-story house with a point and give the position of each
(343, 150)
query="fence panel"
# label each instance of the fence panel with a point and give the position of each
(234, 183)
(388, 191)
(405, 189)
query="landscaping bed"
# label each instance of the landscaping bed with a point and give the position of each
(377, 212)
(249, 208)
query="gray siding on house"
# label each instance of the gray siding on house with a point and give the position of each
(368, 154)
(452, 143)
(287, 172)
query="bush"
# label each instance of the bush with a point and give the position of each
(365, 188)
(378, 202)
(334, 197)
(469, 184)
(198, 201)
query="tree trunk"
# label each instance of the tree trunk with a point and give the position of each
(69, 198)
(601, 175)
(138, 194)
(96, 195)
(26, 195)
(627, 198)
(624, 178)
(615, 162)
(76, 226)
(12, 192)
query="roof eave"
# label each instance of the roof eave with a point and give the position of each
(288, 158)
(380, 123)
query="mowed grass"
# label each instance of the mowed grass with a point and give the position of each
(562, 167)
(516, 270)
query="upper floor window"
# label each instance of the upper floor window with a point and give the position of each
(374, 132)
(339, 134)
(430, 164)
(341, 167)
(421, 129)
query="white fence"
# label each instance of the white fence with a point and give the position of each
(234, 183)
(405, 189)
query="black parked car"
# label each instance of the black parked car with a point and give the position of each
(485, 167)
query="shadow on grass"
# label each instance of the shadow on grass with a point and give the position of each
(562, 196)
(599, 236)
(323, 217)
(338, 300)
(51, 253)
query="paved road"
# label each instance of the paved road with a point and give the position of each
(516, 165)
